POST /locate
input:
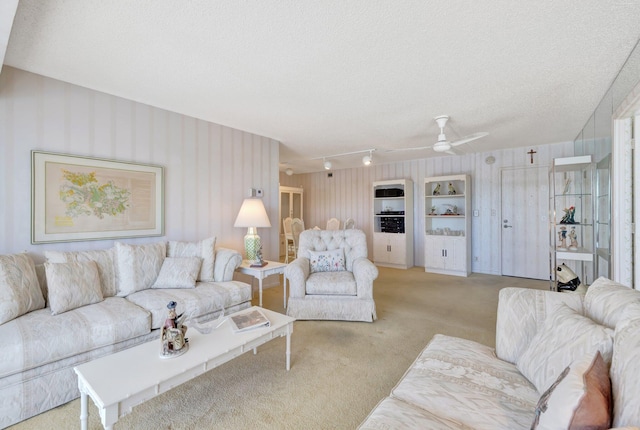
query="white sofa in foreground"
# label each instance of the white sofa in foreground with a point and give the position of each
(460, 384)
(79, 306)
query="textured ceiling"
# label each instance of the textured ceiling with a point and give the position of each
(329, 77)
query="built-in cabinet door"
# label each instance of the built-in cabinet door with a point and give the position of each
(380, 248)
(455, 254)
(397, 249)
(434, 253)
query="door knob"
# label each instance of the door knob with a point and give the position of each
(507, 226)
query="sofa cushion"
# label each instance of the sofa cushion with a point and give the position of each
(327, 261)
(580, 398)
(103, 258)
(19, 288)
(463, 381)
(625, 368)
(206, 298)
(138, 266)
(606, 300)
(333, 283)
(178, 272)
(565, 336)
(38, 337)
(393, 413)
(72, 285)
(204, 249)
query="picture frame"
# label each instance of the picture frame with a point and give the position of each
(75, 198)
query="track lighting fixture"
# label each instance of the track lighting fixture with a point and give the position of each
(289, 171)
(367, 159)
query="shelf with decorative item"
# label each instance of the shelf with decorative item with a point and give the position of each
(571, 219)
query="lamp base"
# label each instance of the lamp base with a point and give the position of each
(252, 244)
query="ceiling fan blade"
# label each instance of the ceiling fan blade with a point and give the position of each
(418, 148)
(469, 138)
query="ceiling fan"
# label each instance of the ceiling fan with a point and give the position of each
(443, 145)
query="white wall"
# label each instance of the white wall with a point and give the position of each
(208, 167)
(348, 194)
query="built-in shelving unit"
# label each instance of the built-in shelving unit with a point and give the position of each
(393, 223)
(447, 200)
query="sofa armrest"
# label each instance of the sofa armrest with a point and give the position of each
(364, 272)
(522, 312)
(297, 273)
(226, 262)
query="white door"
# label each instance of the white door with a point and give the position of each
(524, 222)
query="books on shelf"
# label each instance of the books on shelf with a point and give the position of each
(252, 318)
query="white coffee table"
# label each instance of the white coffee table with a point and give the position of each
(120, 381)
(272, 268)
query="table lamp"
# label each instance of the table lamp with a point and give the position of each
(252, 215)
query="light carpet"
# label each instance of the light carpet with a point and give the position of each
(339, 370)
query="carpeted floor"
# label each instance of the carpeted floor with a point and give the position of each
(339, 370)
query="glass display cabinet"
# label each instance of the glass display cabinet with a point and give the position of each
(572, 235)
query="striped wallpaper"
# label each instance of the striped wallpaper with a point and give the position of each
(208, 167)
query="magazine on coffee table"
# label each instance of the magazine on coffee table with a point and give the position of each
(251, 319)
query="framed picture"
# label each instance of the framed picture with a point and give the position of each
(82, 198)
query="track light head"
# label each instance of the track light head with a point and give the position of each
(366, 160)
(327, 165)
(289, 171)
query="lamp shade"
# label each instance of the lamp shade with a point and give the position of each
(252, 214)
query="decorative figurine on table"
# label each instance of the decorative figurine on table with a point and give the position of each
(573, 239)
(436, 190)
(569, 215)
(258, 262)
(567, 279)
(172, 334)
(562, 239)
(452, 190)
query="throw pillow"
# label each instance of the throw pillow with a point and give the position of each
(178, 272)
(327, 261)
(72, 285)
(579, 399)
(19, 289)
(138, 266)
(103, 258)
(565, 336)
(205, 249)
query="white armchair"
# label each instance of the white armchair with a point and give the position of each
(345, 290)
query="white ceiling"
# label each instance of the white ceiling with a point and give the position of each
(335, 76)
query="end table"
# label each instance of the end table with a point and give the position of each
(271, 268)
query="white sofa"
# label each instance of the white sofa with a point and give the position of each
(97, 303)
(460, 384)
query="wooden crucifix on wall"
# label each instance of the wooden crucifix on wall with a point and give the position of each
(531, 152)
